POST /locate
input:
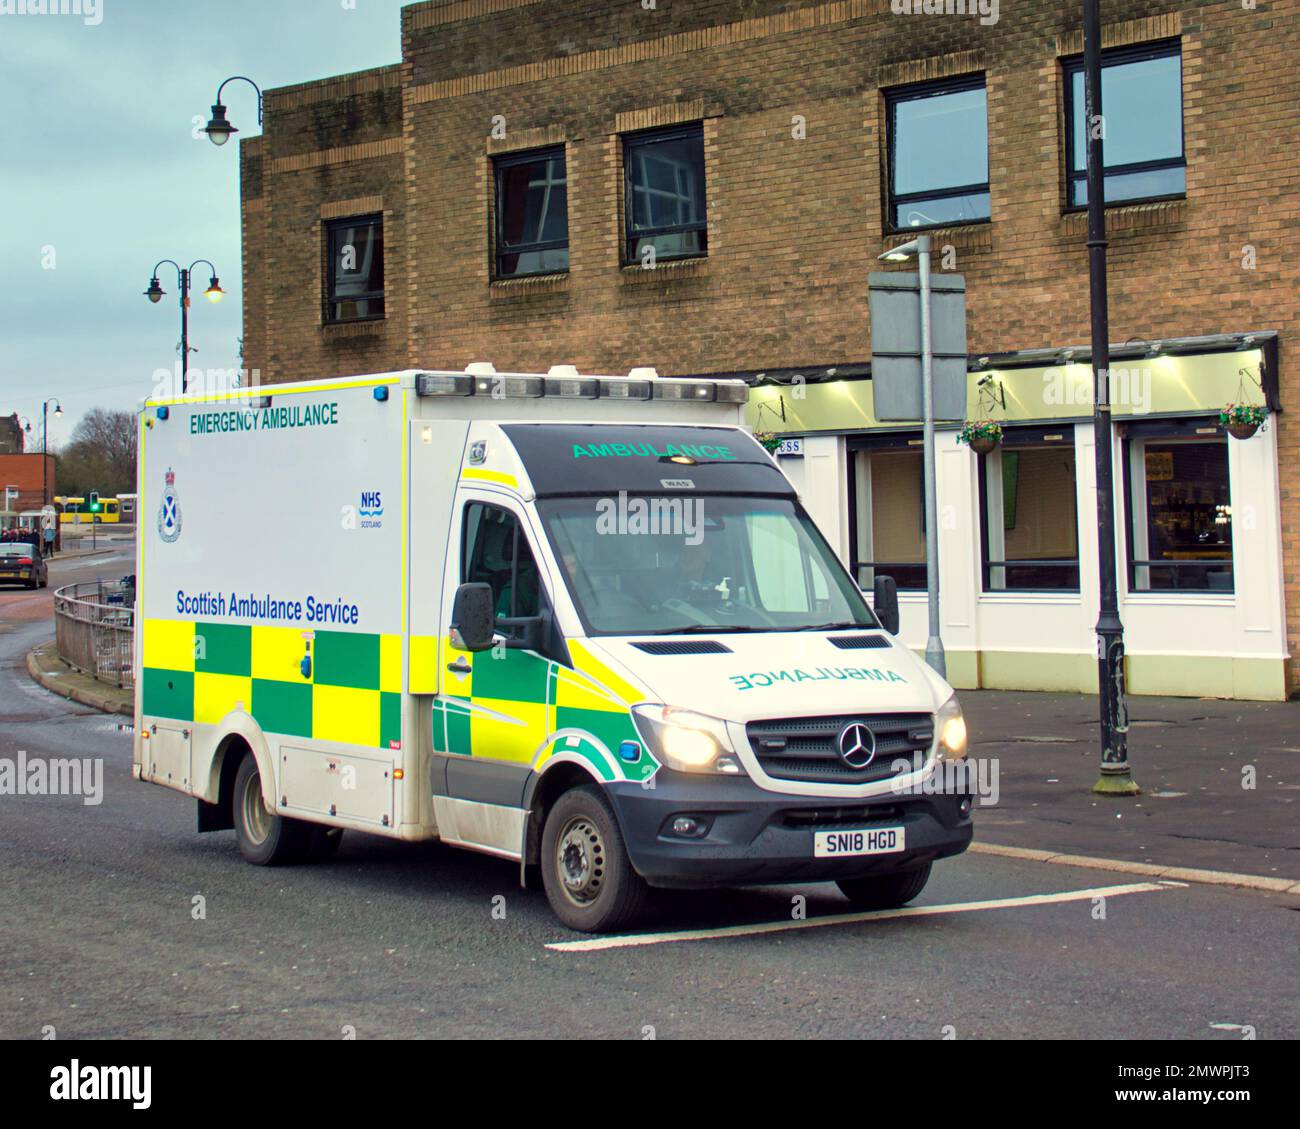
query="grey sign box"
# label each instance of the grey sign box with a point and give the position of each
(895, 302)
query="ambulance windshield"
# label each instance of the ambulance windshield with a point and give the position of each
(664, 564)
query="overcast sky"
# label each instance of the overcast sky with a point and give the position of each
(100, 177)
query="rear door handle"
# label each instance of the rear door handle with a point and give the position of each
(460, 666)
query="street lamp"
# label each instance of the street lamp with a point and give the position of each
(1116, 777)
(45, 447)
(920, 247)
(214, 293)
(219, 129)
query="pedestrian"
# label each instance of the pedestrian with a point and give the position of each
(48, 534)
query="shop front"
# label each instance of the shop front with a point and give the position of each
(1198, 518)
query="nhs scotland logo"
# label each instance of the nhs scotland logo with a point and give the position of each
(371, 509)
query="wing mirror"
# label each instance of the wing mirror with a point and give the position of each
(886, 603)
(473, 618)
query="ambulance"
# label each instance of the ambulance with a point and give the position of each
(581, 623)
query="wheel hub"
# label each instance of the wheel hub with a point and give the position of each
(580, 859)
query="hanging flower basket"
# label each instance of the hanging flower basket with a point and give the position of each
(981, 436)
(768, 440)
(1241, 421)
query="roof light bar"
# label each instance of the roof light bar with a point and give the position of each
(444, 384)
(698, 390)
(573, 387)
(625, 389)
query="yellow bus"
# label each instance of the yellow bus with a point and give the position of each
(76, 511)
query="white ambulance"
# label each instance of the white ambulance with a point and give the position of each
(582, 623)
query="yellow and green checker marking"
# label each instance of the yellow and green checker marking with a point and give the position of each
(514, 701)
(200, 672)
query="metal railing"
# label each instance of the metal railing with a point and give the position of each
(94, 629)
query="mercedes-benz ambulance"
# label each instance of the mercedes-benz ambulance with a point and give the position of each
(581, 623)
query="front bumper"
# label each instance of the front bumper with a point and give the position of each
(753, 836)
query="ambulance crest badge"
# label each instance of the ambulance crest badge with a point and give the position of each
(169, 511)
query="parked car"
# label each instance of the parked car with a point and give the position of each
(21, 562)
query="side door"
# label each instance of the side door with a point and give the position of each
(495, 707)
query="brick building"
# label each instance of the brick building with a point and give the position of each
(25, 474)
(703, 187)
(12, 440)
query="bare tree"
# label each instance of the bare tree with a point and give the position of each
(101, 454)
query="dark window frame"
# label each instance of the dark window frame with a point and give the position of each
(502, 249)
(1191, 430)
(902, 440)
(631, 235)
(1034, 438)
(893, 200)
(1116, 56)
(331, 300)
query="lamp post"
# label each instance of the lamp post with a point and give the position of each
(45, 447)
(1116, 776)
(219, 128)
(214, 293)
(920, 247)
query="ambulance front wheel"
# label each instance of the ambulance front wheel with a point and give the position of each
(887, 891)
(588, 877)
(264, 839)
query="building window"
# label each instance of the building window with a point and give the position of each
(532, 204)
(1180, 513)
(1029, 515)
(938, 154)
(666, 203)
(888, 489)
(1142, 104)
(355, 282)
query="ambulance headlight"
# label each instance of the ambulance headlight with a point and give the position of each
(687, 741)
(951, 727)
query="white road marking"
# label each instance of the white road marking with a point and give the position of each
(595, 944)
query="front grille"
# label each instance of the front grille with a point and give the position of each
(814, 819)
(807, 748)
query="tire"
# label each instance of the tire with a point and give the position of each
(887, 891)
(323, 843)
(264, 839)
(586, 872)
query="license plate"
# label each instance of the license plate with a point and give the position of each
(843, 844)
(9, 575)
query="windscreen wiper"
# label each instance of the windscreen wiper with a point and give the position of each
(836, 627)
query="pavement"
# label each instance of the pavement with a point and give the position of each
(1220, 781)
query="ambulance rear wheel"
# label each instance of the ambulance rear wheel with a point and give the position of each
(588, 877)
(887, 891)
(264, 839)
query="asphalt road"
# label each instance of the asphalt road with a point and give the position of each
(100, 935)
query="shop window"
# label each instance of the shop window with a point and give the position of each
(938, 154)
(666, 202)
(889, 489)
(1142, 104)
(355, 282)
(532, 207)
(1029, 515)
(1180, 514)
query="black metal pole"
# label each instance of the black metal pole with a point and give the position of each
(45, 453)
(1116, 777)
(185, 331)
